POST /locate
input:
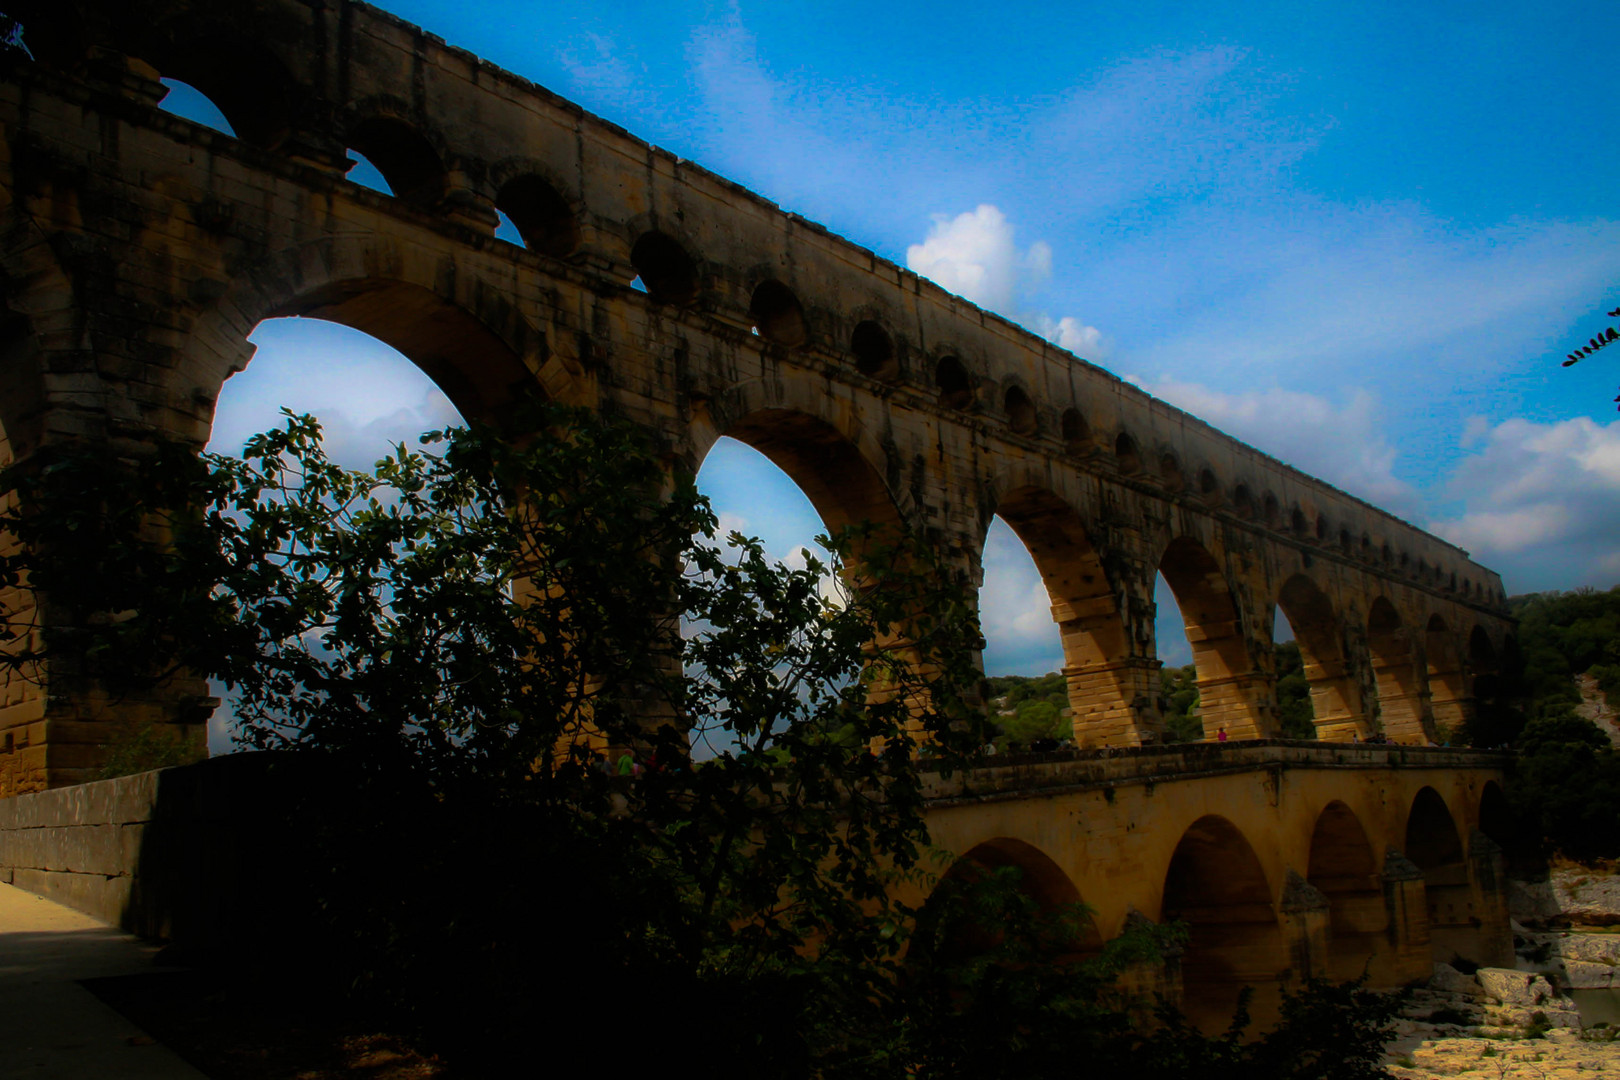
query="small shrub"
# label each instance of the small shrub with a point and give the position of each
(151, 747)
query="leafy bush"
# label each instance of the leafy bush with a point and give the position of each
(1565, 786)
(1295, 712)
(455, 643)
(1178, 703)
(147, 748)
(1039, 709)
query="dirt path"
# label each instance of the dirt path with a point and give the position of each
(1596, 708)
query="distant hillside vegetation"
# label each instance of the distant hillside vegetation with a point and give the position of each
(1565, 783)
(1563, 635)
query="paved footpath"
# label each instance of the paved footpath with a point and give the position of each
(51, 1028)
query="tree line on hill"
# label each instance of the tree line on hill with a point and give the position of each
(1565, 782)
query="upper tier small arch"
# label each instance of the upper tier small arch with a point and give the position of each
(242, 76)
(406, 157)
(541, 215)
(777, 314)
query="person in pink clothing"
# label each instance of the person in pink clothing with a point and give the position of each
(1220, 734)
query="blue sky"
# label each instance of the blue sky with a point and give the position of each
(1358, 236)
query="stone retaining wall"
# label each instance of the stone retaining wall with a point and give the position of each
(183, 853)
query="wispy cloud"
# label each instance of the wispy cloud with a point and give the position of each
(1345, 444)
(974, 255)
(1368, 295)
(601, 71)
(1015, 612)
(1165, 189)
(1542, 503)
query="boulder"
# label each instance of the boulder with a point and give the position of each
(1520, 1016)
(1521, 988)
(1587, 897)
(1448, 980)
(1584, 975)
(1590, 948)
(1531, 901)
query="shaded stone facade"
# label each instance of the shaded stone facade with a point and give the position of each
(139, 250)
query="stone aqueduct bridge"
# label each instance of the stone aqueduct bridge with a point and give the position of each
(1286, 860)
(138, 251)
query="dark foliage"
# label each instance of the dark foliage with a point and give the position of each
(454, 646)
(1565, 788)
(1178, 703)
(1038, 708)
(1295, 712)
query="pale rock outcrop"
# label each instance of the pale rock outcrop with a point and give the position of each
(1519, 995)
(1570, 896)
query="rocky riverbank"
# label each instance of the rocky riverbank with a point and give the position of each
(1521, 1022)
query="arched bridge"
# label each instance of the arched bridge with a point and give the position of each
(1286, 861)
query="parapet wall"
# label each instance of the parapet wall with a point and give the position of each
(1025, 775)
(182, 853)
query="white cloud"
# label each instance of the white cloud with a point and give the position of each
(729, 521)
(1072, 334)
(1542, 503)
(1015, 612)
(600, 71)
(366, 395)
(1342, 444)
(1293, 287)
(974, 255)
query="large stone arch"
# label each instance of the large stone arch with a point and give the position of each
(465, 333)
(1449, 701)
(38, 315)
(819, 442)
(1400, 702)
(1482, 657)
(38, 318)
(1343, 866)
(1107, 682)
(1484, 670)
(23, 765)
(1335, 697)
(1434, 843)
(1215, 884)
(1039, 878)
(1226, 675)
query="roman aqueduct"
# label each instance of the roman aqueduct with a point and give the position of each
(139, 250)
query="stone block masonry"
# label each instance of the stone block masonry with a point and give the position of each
(188, 853)
(138, 251)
